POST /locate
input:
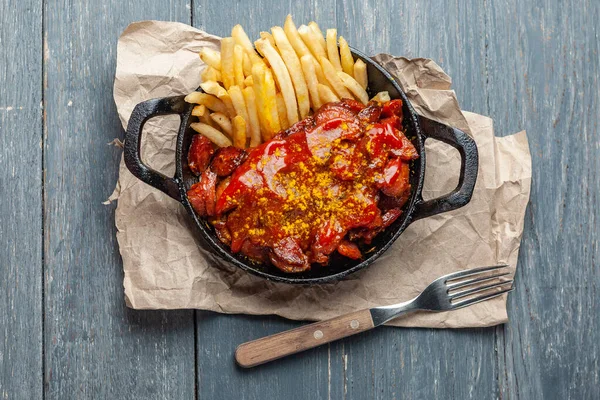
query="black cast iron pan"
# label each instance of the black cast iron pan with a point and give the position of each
(418, 129)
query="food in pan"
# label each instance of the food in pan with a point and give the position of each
(284, 77)
(295, 163)
(330, 182)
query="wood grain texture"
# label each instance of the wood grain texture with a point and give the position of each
(531, 65)
(298, 377)
(20, 199)
(309, 336)
(96, 348)
(544, 68)
(415, 364)
(450, 33)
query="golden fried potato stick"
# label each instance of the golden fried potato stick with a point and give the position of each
(269, 37)
(211, 102)
(319, 72)
(211, 57)
(292, 63)
(381, 97)
(354, 87)
(223, 121)
(247, 65)
(210, 74)
(199, 111)
(294, 37)
(326, 95)
(239, 132)
(311, 40)
(334, 80)
(264, 90)
(239, 104)
(240, 37)
(360, 73)
(308, 67)
(346, 57)
(227, 46)
(226, 99)
(332, 49)
(319, 34)
(214, 135)
(206, 119)
(253, 121)
(283, 78)
(238, 65)
(283, 121)
(248, 81)
(212, 87)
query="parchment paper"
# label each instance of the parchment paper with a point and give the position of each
(165, 268)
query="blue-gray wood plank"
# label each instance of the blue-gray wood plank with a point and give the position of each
(21, 199)
(543, 71)
(94, 347)
(529, 65)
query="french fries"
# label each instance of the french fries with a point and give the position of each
(253, 121)
(223, 121)
(360, 73)
(292, 62)
(332, 49)
(319, 72)
(308, 67)
(294, 37)
(334, 80)
(247, 65)
(354, 87)
(239, 132)
(326, 95)
(206, 119)
(227, 48)
(311, 39)
(346, 57)
(267, 36)
(281, 110)
(238, 65)
(211, 102)
(283, 78)
(315, 28)
(212, 87)
(239, 104)
(266, 101)
(211, 58)
(239, 35)
(214, 135)
(381, 97)
(199, 111)
(252, 91)
(211, 74)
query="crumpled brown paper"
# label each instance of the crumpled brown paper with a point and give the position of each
(166, 269)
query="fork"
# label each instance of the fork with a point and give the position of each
(449, 292)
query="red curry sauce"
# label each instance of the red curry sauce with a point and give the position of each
(327, 183)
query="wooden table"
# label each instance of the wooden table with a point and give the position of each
(65, 331)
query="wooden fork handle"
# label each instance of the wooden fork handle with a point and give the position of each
(269, 348)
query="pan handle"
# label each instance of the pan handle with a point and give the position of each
(469, 165)
(142, 113)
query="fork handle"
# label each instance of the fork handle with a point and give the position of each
(269, 348)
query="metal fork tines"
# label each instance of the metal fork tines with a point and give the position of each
(452, 291)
